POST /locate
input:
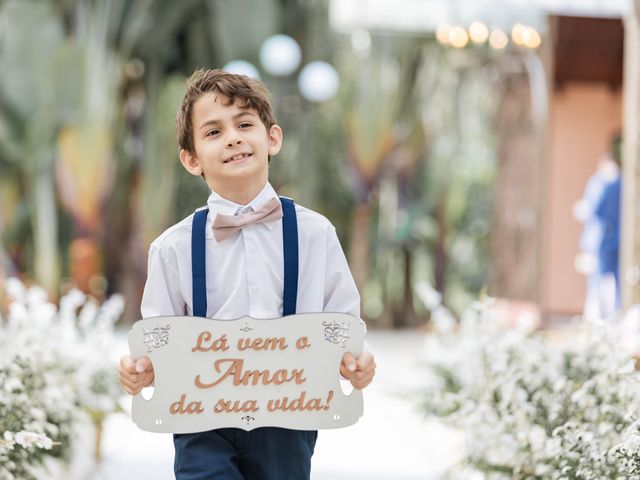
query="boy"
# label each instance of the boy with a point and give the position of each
(227, 134)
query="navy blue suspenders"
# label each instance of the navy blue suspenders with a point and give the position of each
(198, 264)
(290, 248)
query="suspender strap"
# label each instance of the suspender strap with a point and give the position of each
(290, 246)
(198, 264)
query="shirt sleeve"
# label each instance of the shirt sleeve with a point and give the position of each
(162, 295)
(340, 292)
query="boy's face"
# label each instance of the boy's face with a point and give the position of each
(232, 146)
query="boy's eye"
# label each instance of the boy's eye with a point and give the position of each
(212, 132)
(244, 125)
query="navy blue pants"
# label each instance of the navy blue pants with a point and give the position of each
(267, 453)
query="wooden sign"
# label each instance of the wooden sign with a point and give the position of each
(247, 373)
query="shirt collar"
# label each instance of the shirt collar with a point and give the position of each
(218, 204)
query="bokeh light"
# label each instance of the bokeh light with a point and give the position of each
(361, 41)
(280, 55)
(242, 67)
(458, 37)
(442, 33)
(318, 81)
(498, 39)
(478, 32)
(519, 33)
(532, 38)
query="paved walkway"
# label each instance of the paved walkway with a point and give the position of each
(392, 441)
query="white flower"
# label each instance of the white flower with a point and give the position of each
(429, 296)
(12, 384)
(7, 442)
(507, 389)
(111, 310)
(38, 414)
(49, 365)
(36, 296)
(32, 439)
(88, 315)
(15, 289)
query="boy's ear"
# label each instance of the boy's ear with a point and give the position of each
(190, 163)
(275, 139)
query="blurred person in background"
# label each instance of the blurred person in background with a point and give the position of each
(599, 211)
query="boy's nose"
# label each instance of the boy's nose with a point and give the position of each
(233, 142)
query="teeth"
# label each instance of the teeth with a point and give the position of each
(238, 157)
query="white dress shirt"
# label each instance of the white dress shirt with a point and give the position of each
(245, 273)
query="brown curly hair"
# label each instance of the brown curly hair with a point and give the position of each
(249, 92)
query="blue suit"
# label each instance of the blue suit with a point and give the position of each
(608, 213)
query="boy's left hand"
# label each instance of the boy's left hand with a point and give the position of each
(359, 371)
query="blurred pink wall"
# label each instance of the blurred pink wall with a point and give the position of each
(582, 120)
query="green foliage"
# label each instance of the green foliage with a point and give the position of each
(408, 114)
(160, 157)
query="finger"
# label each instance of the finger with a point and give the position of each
(139, 379)
(135, 378)
(364, 360)
(134, 390)
(130, 387)
(131, 390)
(136, 382)
(359, 376)
(149, 379)
(369, 368)
(127, 389)
(362, 381)
(362, 378)
(349, 361)
(361, 384)
(345, 372)
(127, 363)
(143, 364)
(128, 373)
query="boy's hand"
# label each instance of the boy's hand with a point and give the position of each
(359, 371)
(135, 374)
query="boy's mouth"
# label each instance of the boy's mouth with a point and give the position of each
(237, 158)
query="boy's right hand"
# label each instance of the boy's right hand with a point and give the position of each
(135, 374)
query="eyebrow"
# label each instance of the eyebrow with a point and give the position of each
(213, 121)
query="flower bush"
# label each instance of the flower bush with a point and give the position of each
(532, 409)
(54, 374)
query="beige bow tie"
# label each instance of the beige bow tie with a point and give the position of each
(226, 225)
